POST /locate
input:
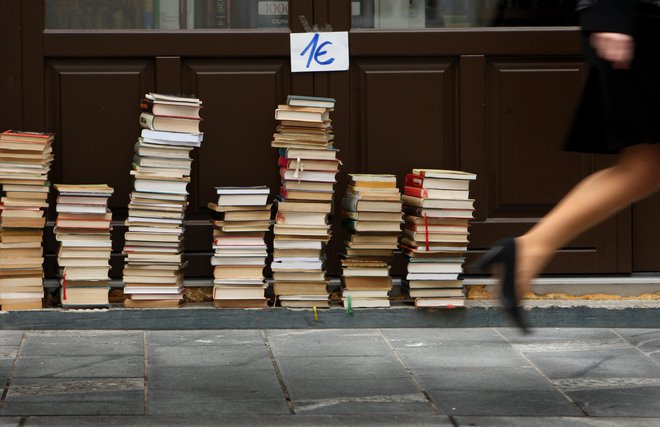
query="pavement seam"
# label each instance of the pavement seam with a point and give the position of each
(552, 384)
(285, 391)
(146, 373)
(10, 377)
(413, 378)
(636, 348)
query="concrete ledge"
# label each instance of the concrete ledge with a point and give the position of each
(576, 313)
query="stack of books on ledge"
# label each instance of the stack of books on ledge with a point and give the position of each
(437, 210)
(83, 232)
(241, 218)
(371, 211)
(153, 275)
(25, 160)
(308, 165)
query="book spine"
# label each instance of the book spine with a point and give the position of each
(147, 121)
(148, 17)
(283, 162)
(413, 180)
(349, 204)
(412, 201)
(222, 10)
(415, 191)
(147, 105)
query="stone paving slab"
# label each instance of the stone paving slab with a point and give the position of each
(83, 343)
(329, 342)
(201, 403)
(555, 375)
(363, 367)
(480, 378)
(244, 357)
(375, 420)
(202, 338)
(10, 338)
(538, 403)
(80, 367)
(646, 340)
(74, 396)
(395, 404)
(462, 356)
(611, 401)
(556, 422)
(594, 363)
(439, 337)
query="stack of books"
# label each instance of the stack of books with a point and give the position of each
(153, 275)
(25, 160)
(371, 211)
(83, 232)
(241, 218)
(308, 165)
(437, 211)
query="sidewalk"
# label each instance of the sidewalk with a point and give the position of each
(439, 377)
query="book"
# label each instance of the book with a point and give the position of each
(421, 192)
(169, 124)
(355, 204)
(27, 137)
(308, 153)
(421, 181)
(422, 202)
(246, 196)
(284, 206)
(310, 101)
(302, 114)
(158, 137)
(444, 173)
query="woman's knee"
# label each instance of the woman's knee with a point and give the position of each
(642, 160)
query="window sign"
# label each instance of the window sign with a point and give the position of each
(324, 51)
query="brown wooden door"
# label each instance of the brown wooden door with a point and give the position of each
(495, 101)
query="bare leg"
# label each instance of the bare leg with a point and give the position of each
(594, 199)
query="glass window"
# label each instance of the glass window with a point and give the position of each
(167, 14)
(401, 14)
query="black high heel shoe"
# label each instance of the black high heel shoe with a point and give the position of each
(503, 253)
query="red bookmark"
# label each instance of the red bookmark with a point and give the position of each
(64, 287)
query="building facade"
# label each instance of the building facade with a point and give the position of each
(485, 86)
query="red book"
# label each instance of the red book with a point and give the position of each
(413, 180)
(415, 191)
(22, 136)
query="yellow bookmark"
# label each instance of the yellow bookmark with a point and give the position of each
(316, 315)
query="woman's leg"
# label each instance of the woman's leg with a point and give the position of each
(594, 199)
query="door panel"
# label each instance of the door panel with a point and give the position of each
(95, 115)
(239, 98)
(406, 115)
(529, 108)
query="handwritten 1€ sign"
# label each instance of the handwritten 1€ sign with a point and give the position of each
(319, 51)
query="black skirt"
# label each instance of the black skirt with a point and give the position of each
(620, 108)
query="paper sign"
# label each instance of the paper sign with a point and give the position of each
(319, 51)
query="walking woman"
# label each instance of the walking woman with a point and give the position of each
(619, 114)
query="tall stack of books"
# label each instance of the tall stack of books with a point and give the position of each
(153, 275)
(241, 218)
(25, 160)
(371, 211)
(83, 232)
(308, 165)
(437, 210)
